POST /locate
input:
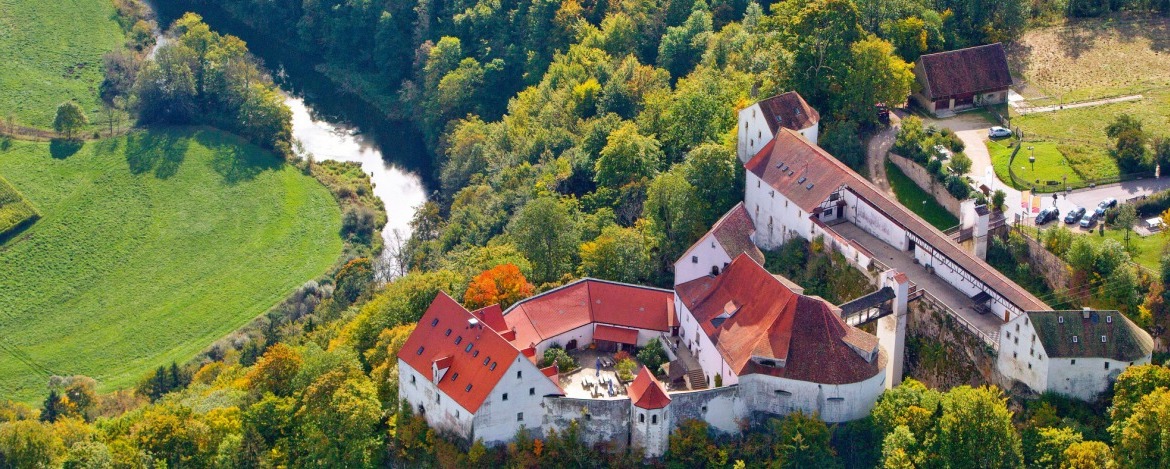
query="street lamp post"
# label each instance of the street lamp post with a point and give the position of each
(1032, 158)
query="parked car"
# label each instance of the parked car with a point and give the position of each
(883, 112)
(1074, 215)
(999, 132)
(1047, 215)
(942, 152)
(1108, 203)
(1089, 220)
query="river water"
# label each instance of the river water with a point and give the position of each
(332, 123)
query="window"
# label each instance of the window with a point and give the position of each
(654, 419)
(1060, 319)
(641, 418)
(1102, 339)
(476, 354)
(1074, 362)
(1109, 319)
(468, 388)
(1106, 365)
(486, 360)
(757, 186)
(531, 391)
(704, 409)
(434, 322)
(420, 351)
(752, 142)
(438, 398)
(468, 348)
(1017, 328)
(411, 379)
(1009, 334)
(759, 134)
(458, 340)
(505, 396)
(1074, 339)
(456, 414)
(1029, 366)
(519, 416)
(447, 334)
(519, 374)
(493, 367)
(1015, 355)
(694, 259)
(455, 376)
(1017, 340)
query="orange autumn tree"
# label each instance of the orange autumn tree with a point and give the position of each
(503, 284)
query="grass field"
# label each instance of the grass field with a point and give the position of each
(917, 200)
(1051, 164)
(1146, 251)
(15, 211)
(1087, 60)
(151, 247)
(52, 52)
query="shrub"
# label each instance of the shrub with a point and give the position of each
(358, 224)
(558, 356)
(652, 355)
(625, 370)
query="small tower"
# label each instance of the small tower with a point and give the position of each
(650, 415)
(891, 330)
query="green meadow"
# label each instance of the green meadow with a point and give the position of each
(150, 247)
(51, 51)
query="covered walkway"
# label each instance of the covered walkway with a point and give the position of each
(903, 261)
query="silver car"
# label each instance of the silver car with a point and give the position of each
(999, 132)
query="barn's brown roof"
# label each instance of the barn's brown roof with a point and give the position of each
(825, 174)
(767, 320)
(965, 71)
(788, 110)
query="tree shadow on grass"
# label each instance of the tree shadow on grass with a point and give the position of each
(60, 148)
(161, 152)
(234, 159)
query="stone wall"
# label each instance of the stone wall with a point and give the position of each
(942, 354)
(1055, 271)
(600, 420)
(722, 407)
(920, 176)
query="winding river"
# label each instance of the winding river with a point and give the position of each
(331, 123)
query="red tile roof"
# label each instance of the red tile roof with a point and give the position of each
(646, 392)
(585, 302)
(965, 71)
(615, 334)
(481, 367)
(772, 322)
(827, 173)
(734, 232)
(493, 316)
(788, 110)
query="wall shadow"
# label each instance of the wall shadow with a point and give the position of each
(60, 148)
(159, 151)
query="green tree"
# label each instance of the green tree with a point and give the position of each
(672, 214)
(1088, 455)
(717, 177)
(618, 254)
(1133, 383)
(1052, 445)
(70, 118)
(899, 448)
(841, 138)
(1126, 218)
(1143, 440)
(682, 46)
(825, 31)
(1110, 256)
(875, 75)
(339, 413)
(1130, 143)
(627, 157)
(997, 199)
(1058, 240)
(29, 444)
(1122, 290)
(961, 163)
(975, 430)
(803, 441)
(1082, 257)
(690, 445)
(545, 229)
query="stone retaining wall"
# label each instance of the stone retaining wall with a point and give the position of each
(922, 178)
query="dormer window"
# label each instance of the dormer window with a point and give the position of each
(468, 348)
(486, 360)
(1060, 319)
(420, 351)
(467, 389)
(1109, 319)
(447, 334)
(458, 340)
(1102, 339)
(493, 367)
(434, 322)
(1074, 339)
(455, 376)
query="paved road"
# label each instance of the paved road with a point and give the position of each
(1025, 109)
(875, 154)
